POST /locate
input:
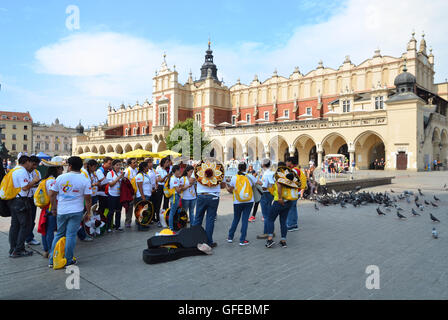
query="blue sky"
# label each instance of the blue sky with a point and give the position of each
(54, 72)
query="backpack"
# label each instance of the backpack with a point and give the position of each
(41, 197)
(288, 193)
(243, 190)
(134, 183)
(59, 260)
(7, 190)
(106, 190)
(166, 190)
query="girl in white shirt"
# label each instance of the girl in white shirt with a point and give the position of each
(189, 193)
(144, 183)
(114, 178)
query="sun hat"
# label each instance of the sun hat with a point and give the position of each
(54, 162)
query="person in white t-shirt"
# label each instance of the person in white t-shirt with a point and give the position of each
(20, 208)
(162, 172)
(34, 174)
(114, 178)
(71, 190)
(175, 186)
(189, 194)
(129, 173)
(243, 200)
(101, 174)
(48, 227)
(144, 183)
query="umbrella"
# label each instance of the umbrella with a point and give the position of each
(139, 153)
(112, 155)
(167, 153)
(44, 156)
(91, 155)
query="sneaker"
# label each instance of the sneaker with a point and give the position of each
(291, 229)
(88, 239)
(244, 243)
(262, 236)
(159, 225)
(109, 230)
(33, 242)
(46, 254)
(50, 265)
(213, 245)
(120, 229)
(73, 262)
(283, 244)
(20, 254)
(229, 240)
(262, 218)
(269, 243)
(252, 219)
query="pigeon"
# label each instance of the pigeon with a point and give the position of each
(343, 204)
(399, 208)
(426, 202)
(414, 213)
(416, 198)
(420, 192)
(434, 219)
(408, 200)
(444, 186)
(433, 204)
(400, 216)
(392, 191)
(316, 207)
(380, 213)
(435, 198)
(435, 234)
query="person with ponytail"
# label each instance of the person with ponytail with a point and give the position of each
(144, 183)
(161, 176)
(176, 189)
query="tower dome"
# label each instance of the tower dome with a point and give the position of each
(405, 81)
(80, 128)
(208, 64)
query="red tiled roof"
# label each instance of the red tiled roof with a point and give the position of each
(20, 116)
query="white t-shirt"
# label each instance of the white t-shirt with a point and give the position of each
(190, 193)
(130, 173)
(49, 183)
(162, 173)
(216, 190)
(147, 184)
(174, 182)
(35, 173)
(21, 178)
(268, 179)
(252, 181)
(152, 176)
(93, 179)
(114, 190)
(71, 188)
(100, 175)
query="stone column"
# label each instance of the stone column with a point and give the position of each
(291, 150)
(319, 159)
(351, 158)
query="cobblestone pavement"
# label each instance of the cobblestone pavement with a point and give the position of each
(326, 259)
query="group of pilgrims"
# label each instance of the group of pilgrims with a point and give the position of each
(88, 199)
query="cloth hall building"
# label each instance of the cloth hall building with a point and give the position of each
(386, 107)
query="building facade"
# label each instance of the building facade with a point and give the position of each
(54, 139)
(17, 132)
(386, 107)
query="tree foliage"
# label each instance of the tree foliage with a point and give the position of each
(181, 137)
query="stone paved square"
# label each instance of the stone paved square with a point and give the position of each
(326, 259)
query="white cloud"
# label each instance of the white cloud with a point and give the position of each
(112, 67)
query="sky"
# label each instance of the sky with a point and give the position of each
(55, 68)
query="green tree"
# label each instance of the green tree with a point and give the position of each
(181, 137)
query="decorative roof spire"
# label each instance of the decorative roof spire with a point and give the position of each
(405, 69)
(208, 64)
(423, 44)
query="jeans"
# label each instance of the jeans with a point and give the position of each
(174, 204)
(21, 222)
(50, 228)
(254, 212)
(102, 204)
(68, 225)
(266, 206)
(282, 211)
(240, 210)
(189, 205)
(210, 204)
(33, 222)
(114, 206)
(293, 216)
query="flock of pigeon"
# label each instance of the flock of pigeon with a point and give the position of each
(384, 200)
